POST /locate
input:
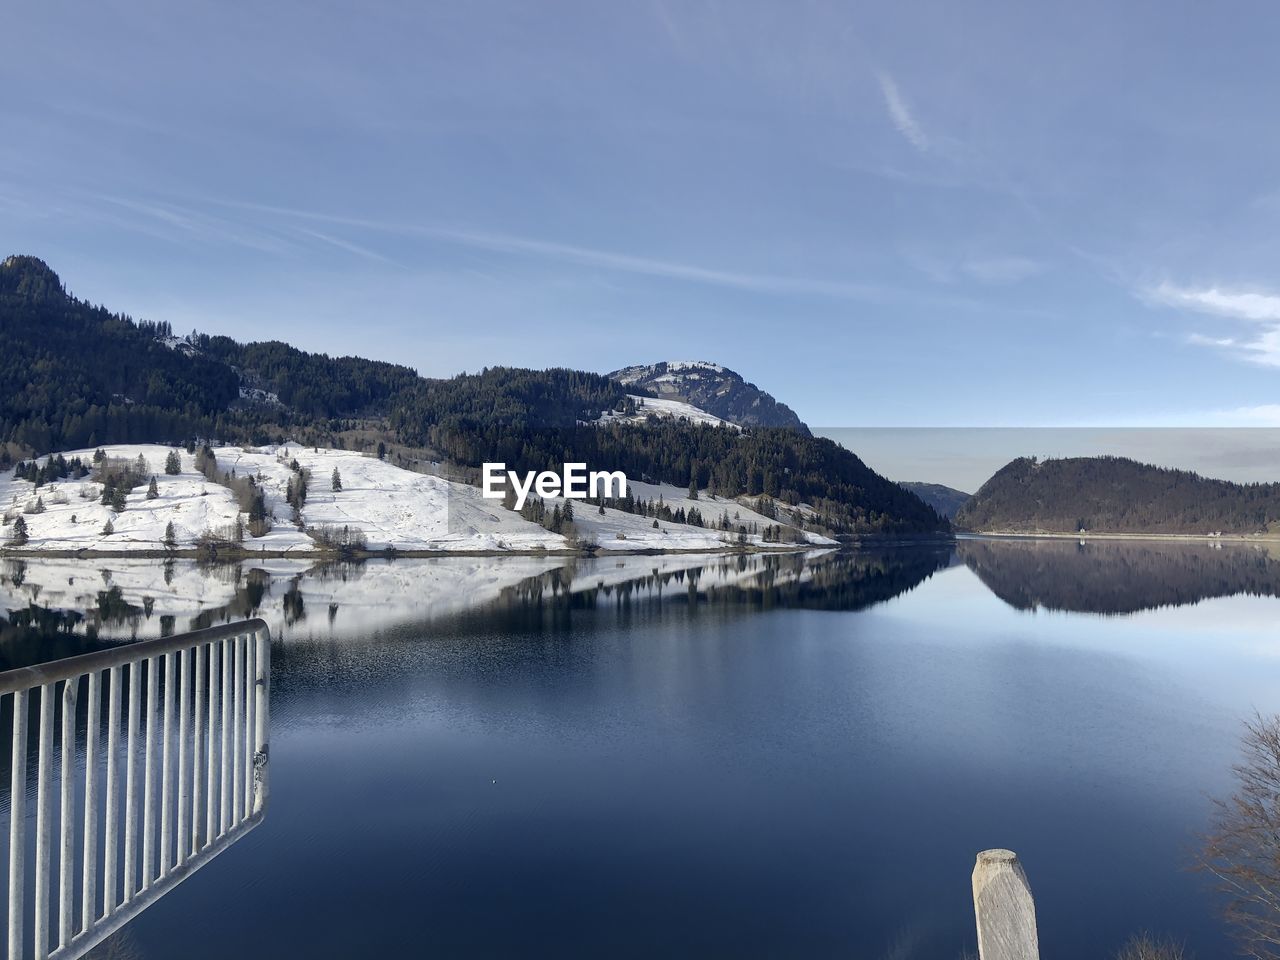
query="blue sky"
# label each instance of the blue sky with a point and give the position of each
(922, 214)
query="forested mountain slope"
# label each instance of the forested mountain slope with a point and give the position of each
(946, 500)
(1117, 495)
(73, 375)
(713, 388)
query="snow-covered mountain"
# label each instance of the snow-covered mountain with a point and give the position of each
(713, 388)
(389, 506)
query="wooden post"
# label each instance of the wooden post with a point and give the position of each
(1004, 909)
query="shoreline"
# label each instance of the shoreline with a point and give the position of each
(1164, 537)
(10, 553)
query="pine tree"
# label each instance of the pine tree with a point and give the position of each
(173, 463)
(336, 480)
(39, 507)
(118, 499)
(108, 528)
(693, 482)
(259, 525)
(152, 490)
(19, 535)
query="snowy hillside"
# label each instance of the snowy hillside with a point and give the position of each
(619, 530)
(665, 409)
(390, 506)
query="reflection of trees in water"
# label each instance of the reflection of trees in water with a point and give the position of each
(1109, 576)
(850, 580)
(34, 634)
(251, 587)
(294, 608)
(37, 633)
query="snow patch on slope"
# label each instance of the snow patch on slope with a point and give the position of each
(667, 410)
(391, 506)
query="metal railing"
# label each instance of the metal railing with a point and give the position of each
(203, 781)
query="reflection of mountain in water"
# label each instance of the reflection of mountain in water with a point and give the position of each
(825, 580)
(127, 599)
(1109, 576)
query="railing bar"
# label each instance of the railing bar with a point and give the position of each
(250, 709)
(89, 888)
(262, 687)
(67, 814)
(18, 824)
(166, 765)
(197, 752)
(24, 678)
(211, 808)
(44, 800)
(240, 801)
(87, 940)
(131, 783)
(184, 791)
(148, 772)
(224, 788)
(237, 798)
(111, 823)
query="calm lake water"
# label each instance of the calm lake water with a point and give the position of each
(707, 756)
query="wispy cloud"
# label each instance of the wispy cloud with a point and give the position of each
(1260, 341)
(191, 224)
(901, 114)
(609, 259)
(346, 245)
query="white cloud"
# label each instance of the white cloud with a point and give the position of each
(1243, 305)
(1260, 343)
(1263, 415)
(901, 114)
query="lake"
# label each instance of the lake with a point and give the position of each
(686, 755)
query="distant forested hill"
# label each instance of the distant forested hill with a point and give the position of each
(946, 500)
(1116, 495)
(74, 375)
